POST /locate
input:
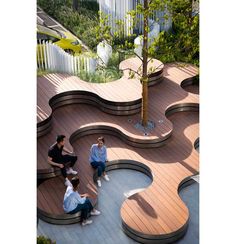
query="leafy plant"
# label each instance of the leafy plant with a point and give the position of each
(182, 42)
(41, 72)
(114, 61)
(44, 240)
(82, 22)
(104, 74)
(101, 75)
(103, 30)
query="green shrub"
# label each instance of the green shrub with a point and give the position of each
(82, 22)
(101, 75)
(89, 5)
(104, 74)
(41, 72)
(44, 240)
(182, 42)
(114, 61)
(52, 6)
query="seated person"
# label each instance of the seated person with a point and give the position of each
(74, 202)
(56, 158)
(98, 159)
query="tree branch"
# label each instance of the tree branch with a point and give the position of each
(149, 60)
(140, 75)
(132, 71)
(140, 67)
(156, 68)
(138, 56)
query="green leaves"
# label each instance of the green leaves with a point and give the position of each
(44, 240)
(83, 23)
(182, 43)
(131, 74)
(103, 29)
(140, 9)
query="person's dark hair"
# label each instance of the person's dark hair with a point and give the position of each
(75, 181)
(101, 138)
(60, 138)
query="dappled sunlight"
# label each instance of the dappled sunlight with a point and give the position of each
(188, 69)
(168, 164)
(132, 192)
(179, 71)
(59, 84)
(41, 114)
(91, 187)
(149, 129)
(185, 123)
(119, 91)
(189, 130)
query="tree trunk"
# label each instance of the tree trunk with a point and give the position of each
(144, 79)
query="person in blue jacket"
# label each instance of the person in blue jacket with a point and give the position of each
(98, 159)
(75, 202)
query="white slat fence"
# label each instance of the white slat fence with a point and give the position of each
(53, 58)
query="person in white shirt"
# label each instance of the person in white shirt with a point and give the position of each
(74, 202)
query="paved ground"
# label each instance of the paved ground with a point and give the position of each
(190, 196)
(106, 228)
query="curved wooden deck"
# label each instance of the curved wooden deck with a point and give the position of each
(120, 97)
(156, 215)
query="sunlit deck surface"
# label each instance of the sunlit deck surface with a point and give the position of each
(167, 154)
(119, 95)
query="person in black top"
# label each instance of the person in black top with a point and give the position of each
(64, 162)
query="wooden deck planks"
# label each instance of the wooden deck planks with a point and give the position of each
(169, 164)
(53, 84)
(164, 187)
